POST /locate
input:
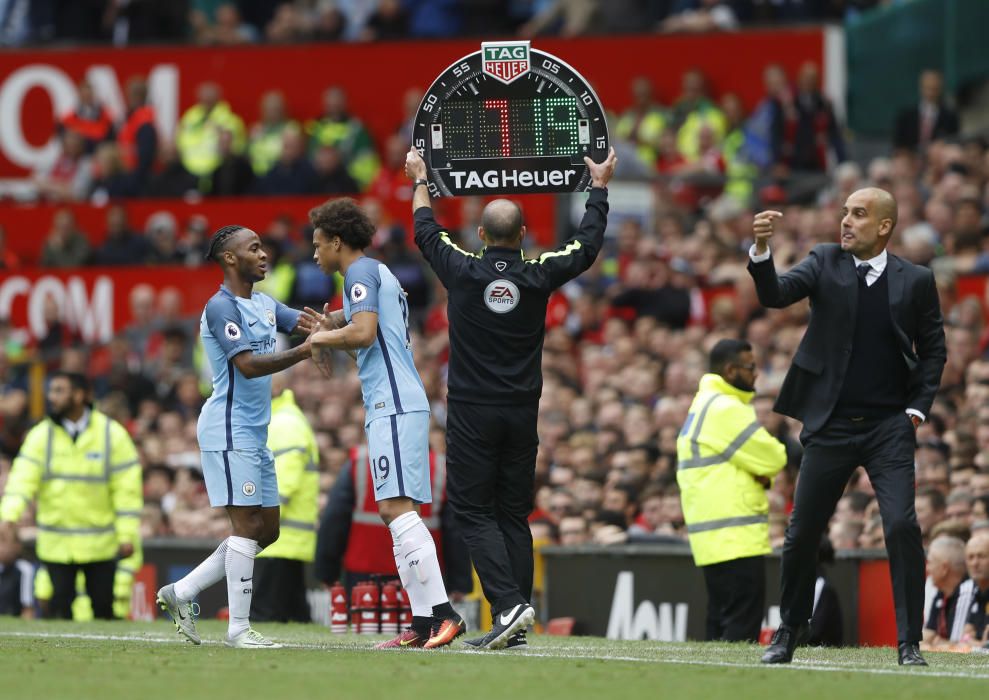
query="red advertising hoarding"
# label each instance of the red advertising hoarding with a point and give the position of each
(35, 85)
(94, 302)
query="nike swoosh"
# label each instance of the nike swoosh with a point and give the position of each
(251, 323)
(505, 618)
(407, 642)
(244, 580)
(378, 487)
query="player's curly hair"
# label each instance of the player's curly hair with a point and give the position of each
(344, 218)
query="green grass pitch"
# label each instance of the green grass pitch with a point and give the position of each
(146, 661)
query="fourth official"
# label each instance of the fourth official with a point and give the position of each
(497, 311)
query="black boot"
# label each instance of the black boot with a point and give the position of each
(909, 654)
(785, 640)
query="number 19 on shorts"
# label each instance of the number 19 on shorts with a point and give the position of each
(380, 470)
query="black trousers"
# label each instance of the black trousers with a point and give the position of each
(490, 472)
(279, 591)
(886, 449)
(99, 587)
(736, 599)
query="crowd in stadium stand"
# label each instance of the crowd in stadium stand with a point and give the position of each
(626, 342)
(226, 23)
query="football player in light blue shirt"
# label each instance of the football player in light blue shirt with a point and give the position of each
(238, 330)
(396, 411)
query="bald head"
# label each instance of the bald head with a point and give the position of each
(883, 204)
(501, 223)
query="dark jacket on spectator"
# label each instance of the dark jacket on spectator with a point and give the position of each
(74, 253)
(907, 131)
(173, 181)
(298, 177)
(668, 304)
(234, 176)
(127, 249)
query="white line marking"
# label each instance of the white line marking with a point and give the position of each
(583, 654)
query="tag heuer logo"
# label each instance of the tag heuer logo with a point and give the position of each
(505, 61)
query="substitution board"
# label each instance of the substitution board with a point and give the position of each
(509, 119)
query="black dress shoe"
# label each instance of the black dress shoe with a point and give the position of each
(909, 654)
(785, 640)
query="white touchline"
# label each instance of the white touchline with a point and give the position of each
(562, 653)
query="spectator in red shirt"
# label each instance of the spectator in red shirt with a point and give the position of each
(89, 119)
(69, 177)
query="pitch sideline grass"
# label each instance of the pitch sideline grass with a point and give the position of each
(147, 661)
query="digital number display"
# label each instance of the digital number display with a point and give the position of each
(510, 128)
(509, 119)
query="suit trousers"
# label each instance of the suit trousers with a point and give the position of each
(736, 599)
(99, 587)
(490, 472)
(886, 449)
(279, 591)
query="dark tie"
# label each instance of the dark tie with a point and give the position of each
(863, 270)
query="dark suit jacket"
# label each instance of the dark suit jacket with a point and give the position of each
(907, 131)
(827, 277)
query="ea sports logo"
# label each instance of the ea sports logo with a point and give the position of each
(501, 296)
(249, 488)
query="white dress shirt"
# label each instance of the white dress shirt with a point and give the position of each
(76, 427)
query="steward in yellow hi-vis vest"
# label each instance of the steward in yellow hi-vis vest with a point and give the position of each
(83, 469)
(198, 134)
(279, 570)
(725, 463)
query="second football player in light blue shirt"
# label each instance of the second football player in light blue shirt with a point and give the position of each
(397, 411)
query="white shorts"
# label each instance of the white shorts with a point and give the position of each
(241, 478)
(398, 449)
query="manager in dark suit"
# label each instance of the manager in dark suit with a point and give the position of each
(929, 120)
(862, 380)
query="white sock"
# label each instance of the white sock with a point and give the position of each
(240, 584)
(409, 582)
(211, 570)
(415, 546)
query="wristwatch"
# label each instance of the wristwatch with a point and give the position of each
(420, 182)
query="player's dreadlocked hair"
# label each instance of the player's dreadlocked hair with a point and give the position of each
(219, 239)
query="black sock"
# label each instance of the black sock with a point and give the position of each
(422, 626)
(443, 611)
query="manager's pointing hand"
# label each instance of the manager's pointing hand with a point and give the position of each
(763, 228)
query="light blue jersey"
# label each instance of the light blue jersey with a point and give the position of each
(389, 380)
(236, 416)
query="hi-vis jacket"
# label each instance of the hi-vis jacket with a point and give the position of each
(89, 491)
(720, 452)
(292, 442)
(198, 136)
